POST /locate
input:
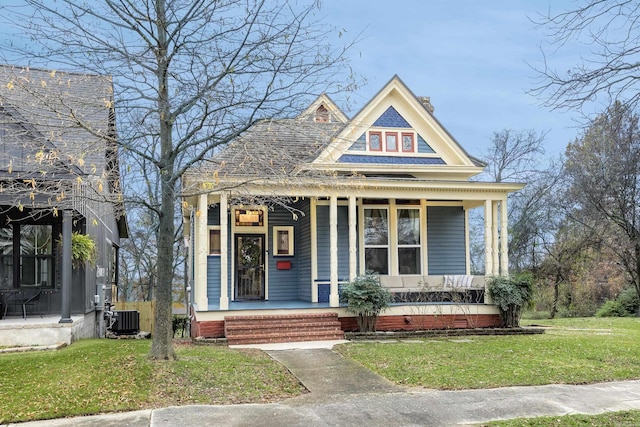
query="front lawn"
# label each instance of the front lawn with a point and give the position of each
(95, 376)
(609, 419)
(572, 351)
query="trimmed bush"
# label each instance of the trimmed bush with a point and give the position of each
(511, 295)
(366, 298)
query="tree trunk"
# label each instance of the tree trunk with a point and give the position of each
(162, 345)
(556, 296)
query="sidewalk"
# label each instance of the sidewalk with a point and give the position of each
(343, 393)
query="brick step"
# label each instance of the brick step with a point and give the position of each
(276, 337)
(238, 326)
(303, 316)
(259, 329)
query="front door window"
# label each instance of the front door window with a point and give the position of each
(249, 280)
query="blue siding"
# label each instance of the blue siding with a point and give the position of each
(213, 278)
(360, 144)
(391, 119)
(423, 147)
(446, 240)
(302, 246)
(283, 284)
(324, 257)
(213, 263)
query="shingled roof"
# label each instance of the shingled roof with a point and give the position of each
(46, 111)
(273, 148)
(56, 127)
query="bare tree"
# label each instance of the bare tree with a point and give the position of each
(609, 32)
(603, 169)
(189, 76)
(519, 156)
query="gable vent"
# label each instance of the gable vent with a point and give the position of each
(322, 114)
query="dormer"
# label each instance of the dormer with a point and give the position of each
(323, 110)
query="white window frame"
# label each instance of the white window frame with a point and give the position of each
(209, 229)
(388, 246)
(418, 245)
(276, 243)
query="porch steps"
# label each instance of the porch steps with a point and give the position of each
(277, 328)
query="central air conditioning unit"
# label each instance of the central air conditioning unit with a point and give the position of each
(127, 322)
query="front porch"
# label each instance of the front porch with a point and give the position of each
(266, 305)
(16, 331)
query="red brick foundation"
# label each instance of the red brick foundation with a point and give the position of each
(208, 329)
(425, 322)
(215, 328)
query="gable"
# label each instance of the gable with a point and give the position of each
(397, 128)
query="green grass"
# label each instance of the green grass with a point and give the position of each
(95, 376)
(572, 351)
(610, 419)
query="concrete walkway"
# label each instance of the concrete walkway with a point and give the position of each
(343, 393)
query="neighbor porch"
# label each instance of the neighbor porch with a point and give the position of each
(46, 330)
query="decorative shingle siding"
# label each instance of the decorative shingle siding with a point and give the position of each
(391, 119)
(390, 160)
(360, 144)
(423, 147)
(324, 271)
(446, 240)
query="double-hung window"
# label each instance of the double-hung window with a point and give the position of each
(409, 241)
(376, 240)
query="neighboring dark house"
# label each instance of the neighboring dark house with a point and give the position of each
(285, 214)
(59, 174)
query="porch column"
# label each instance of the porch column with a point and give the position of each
(200, 291)
(67, 220)
(353, 238)
(467, 241)
(504, 239)
(224, 254)
(313, 223)
(488, 250)
(334, 299)
(494, 236)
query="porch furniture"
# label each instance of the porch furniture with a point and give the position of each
(6, 297)
(20, 298)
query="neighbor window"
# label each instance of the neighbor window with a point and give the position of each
(376, 240)
(36, 255)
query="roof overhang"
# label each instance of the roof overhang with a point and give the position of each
(471, 194)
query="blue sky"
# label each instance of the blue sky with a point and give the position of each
(473, 58)
(470, 56)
